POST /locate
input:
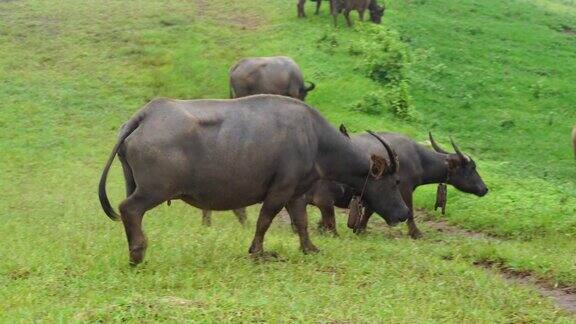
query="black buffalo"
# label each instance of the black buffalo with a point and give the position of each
(419, 166)
(346, 6)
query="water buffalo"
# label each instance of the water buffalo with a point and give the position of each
(263, 75)
(228, 154)
(346, 6)
(278, 75)
(420, 166)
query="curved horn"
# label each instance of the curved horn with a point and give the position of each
(435, 146)
(310, 87)
(457, 149)
(393, 157)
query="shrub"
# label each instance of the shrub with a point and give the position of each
(394, 99)
(385, 55)
(372, 104)
(386, 61)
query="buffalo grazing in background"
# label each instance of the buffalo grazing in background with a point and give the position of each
(346, 6)
(268, 75)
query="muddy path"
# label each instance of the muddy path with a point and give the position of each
(563, 297)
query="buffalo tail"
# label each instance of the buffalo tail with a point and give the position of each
(128, 128)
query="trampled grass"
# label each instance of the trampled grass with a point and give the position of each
(496, 75)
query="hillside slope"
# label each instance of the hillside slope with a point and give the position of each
(495, 75)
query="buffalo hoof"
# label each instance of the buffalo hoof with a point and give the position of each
(310, 249)
(265, 256)
(137, 254)
(415, 234)
(360, 231)
(135, 260)
(327, 231)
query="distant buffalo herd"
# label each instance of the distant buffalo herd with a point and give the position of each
(265, 145)
(345, 7)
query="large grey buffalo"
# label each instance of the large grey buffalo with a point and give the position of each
(420, 166)
(346, 6)
(278, 75)
(228, 154)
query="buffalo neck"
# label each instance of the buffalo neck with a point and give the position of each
(433, 167)
(340, 160)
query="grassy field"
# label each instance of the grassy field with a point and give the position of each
(497, 75)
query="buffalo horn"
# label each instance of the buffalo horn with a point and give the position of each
(436, 147)
(393, 157)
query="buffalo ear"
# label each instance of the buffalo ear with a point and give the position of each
(453, 162)
(378, 166)
(344, 131)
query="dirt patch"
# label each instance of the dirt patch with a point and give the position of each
(201, 7)
(181, 302)
(563, 297)
(237, 19)
(443, 227)
(19, 274)
(423, 216)
(567, 30)
(246, 21)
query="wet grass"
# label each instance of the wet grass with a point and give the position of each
(71, 74)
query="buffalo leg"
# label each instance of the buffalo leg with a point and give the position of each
(206, 217)
(268, 211)
(318, 3)
(132, 211)
(241, 215)
(347, 16)
(297, 211)
(300, 7)
(328, 222)
(364, 221)
(413, 231)
(334, 10)
(361, 14)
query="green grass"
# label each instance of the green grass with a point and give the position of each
(496, 75)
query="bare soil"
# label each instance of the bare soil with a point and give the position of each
(563, 297)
